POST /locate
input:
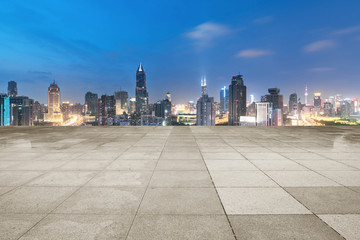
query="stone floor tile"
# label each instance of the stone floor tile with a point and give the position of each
(263, 156)
(85, 165)
(80, 227)
(181, 227)
(300, 179)
(181, 179)
(259, 201)
(327, 200)
(140, 156)
(90, 200)
(278, 165)
(132, 165)
(279, 227)
(241, 179)
(181, 201)
(325, 165)
(348, 225)
(17, 178)
(63, 178)
(181, 155)
(303, 156)
(181, 165)
(34, 199)
(121, 179)
(223, 156)
(346, 178)
(229, 165)
(13, 226)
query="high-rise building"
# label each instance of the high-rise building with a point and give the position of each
(293, 101)
(224, 100)
(306, 95)
(12, 89)
(355, 105)
(121, 102)
(132, 107)
(205, 107)
(263, 113)
(106, 109)
(141, 93)
(91, 101)
(4, 110)
(54, 111)
(21, 111)
(65, 110)
(317, 100)
(163, 108)
(237, 100)
(277, 104)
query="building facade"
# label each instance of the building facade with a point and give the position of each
(54, 111)
(91, 102)
(12, 89)
(141, 93)
(224, 100)
(4, 110)
(121, 102)
(205, 107)
(237, 100)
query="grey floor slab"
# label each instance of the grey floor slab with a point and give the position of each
(179, 182)
(279, 226)
(348, 225)
(181, 201)
(181, 227)
(78, 227)
(91, 200)
(259, 201)
(330, 200)
(13, 226)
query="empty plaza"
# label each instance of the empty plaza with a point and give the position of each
(180, 183)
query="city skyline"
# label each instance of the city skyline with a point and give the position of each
(42, 42)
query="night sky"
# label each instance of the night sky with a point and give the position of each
(97, 46)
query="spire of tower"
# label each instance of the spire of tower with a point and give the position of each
(306, 95)
(203, 85)
(140, 68)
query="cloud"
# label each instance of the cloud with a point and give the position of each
(263, 20)
(320, 69)
(347, 30)
(205, 33)
(319, 45)
(253, 53)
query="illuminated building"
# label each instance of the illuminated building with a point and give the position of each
(224, 100)
(263, 113)
(54, 111)
(21, 111)
(317, 100)
(306, 95)
(141, 92)
(276, 101)
(328, 109)
(293, 102)
(12, 89)
(132, 106)
(4, 110)
(106, 109)
(247, 121)
(163, 108)
(65, 109)
(91, 101)
(121, 102)
(355, 105)
(252, 98)
(205, 109)
(237, 99)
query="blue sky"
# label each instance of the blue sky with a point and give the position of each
(97, 46)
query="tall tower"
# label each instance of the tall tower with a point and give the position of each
(306, 95)
(203, 86)
(224, 100)
(54, 111)
(141, 92)
(12, 89)
(237, 100)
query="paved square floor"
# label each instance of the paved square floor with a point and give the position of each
(179, 183)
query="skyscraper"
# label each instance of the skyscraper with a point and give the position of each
(54, 111)
(141, 93)
(306, 95)
(4, 110)
(237, 100)
(91, 101)
(292, 102)
(21, 111)
(263, 113)
(224, 100)
(277, 104)
(121, 102)
(12, 89)
(106, 109)
(205, 107)
(317, 99)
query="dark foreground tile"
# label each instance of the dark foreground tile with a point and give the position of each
(281, 227)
